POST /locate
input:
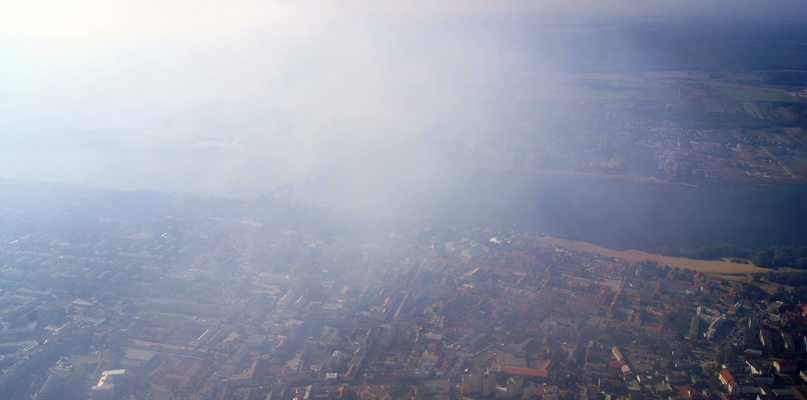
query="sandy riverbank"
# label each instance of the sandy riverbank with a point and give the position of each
(718, 267)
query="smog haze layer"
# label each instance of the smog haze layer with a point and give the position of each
(235, 98)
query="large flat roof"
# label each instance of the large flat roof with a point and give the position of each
(138, 354)
(114, 372)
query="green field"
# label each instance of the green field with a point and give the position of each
(712, 105)
(797, 162)
(744, 94)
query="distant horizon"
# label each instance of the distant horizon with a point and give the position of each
(117, 96)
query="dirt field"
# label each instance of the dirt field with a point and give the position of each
(752, 110)
(712, 105)
(723, 268)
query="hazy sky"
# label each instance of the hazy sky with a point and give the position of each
(210, 97)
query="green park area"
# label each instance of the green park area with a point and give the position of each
(749, 94)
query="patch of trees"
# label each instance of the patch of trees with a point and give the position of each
(780, 257)
(651, 269)
(774, 257)
(753, 292)
(795, 278)
(678, 323)
(791, 298)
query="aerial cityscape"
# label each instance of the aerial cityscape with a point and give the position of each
(552, 200)
(143, 295)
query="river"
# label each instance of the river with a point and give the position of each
(613, 214)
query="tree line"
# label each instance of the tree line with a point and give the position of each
(773, 257)
(789, 278)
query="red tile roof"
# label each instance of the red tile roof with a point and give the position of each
(728, 378)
